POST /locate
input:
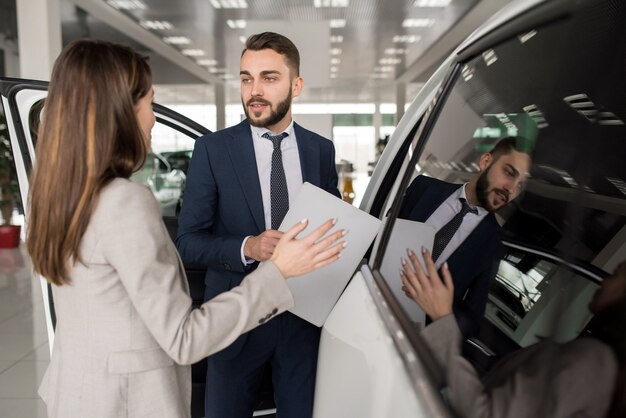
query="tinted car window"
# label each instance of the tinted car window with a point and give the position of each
(554, 85)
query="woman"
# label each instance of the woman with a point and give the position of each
(575, 379)
(124, 317)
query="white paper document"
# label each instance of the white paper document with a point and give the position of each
(405, 235)
(316, 293)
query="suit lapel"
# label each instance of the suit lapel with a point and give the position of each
(309, 155)
(241, 151)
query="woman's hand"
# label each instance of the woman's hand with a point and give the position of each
(426, 288)
(295, 257)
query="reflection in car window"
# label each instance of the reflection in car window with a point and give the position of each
(559, 94)
(11, 210)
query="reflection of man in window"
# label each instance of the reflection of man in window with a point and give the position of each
(467, 235)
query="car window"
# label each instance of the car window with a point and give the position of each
(11, 209)
(559, 97)
(166, 180)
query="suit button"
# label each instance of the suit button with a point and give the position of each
(227, 266)
(268, 316)
(262, 320)
(274, 311)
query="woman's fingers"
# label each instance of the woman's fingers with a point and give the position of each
(329, 252)
(447, 277)
(295, 230)
(319, 232)
(430, 266)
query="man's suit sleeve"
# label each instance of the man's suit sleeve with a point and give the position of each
(196, 241)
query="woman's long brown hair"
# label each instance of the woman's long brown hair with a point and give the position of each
(88, 136)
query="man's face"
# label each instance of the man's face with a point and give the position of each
(267, 89)
(502, 179)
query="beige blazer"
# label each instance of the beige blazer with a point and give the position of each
(547, 379)
(126, 331)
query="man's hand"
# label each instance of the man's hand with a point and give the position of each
(262, 246)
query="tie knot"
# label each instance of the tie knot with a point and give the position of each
(466, 208)
(275, 138)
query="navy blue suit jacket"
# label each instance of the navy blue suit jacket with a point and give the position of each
(474, 264)
(223, 202)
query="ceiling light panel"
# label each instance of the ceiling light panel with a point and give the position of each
(330, 3)
(177, 40)
(208, 63)
(389, 61)
(243, 39)
(126, 4)
(193, 52)
(490, 57)
(229, 4)
(421, 22)
(395, 51)
(432, 3)
(336, 39)
(236, 23)
(335, 61)
(406, 39)
(335, 51)
(337, 23)
(156, 24)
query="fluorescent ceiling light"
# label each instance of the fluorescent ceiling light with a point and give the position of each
(208, 63)
(227, 76)
(214, 70)
(337, 23)
(236, 24)
(421, 22)
(394, 51)
(333, 75)
(490, 57)
(335, 51)
(126, 4)
(193, 52)
(467, 73)
(336, 39)
(330, 3)
(243, 39)
(334, 69)
(389, 61)
(156, 24)
(525, 37)
(229, 4)
(432, 3)
(406, 39)
(177, 40)
(384, 69)
(335, 61)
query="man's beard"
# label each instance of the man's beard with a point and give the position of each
(482, 192)
(275, 116)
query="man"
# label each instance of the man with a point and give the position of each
(467, 235)
(239, 184)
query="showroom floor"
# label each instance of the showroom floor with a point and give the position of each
(24, 353)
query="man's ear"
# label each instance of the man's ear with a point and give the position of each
(485, 160)
(296, 86)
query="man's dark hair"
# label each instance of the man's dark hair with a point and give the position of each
(278, 43)
(510, 143)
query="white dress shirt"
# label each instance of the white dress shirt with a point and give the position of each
(445, 212)
(263, 149)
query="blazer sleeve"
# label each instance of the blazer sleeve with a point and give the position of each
(559, 389)
(135, 243)
(196, 240)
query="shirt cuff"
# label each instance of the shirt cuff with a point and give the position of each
(245, 260)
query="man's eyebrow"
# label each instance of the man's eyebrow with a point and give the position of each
(244, 72)
(268, 72)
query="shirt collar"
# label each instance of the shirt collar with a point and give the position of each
(461, 195)
(259, 131)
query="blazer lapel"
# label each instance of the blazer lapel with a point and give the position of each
(432, 198)
(242, 155)
(309, 155)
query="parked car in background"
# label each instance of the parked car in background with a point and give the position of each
(178, 159)
(166, 183)
(550, 71)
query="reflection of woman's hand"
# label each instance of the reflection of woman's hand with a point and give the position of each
(426, 288)
(295, 257)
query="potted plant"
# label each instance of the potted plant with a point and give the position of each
(9, 192)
